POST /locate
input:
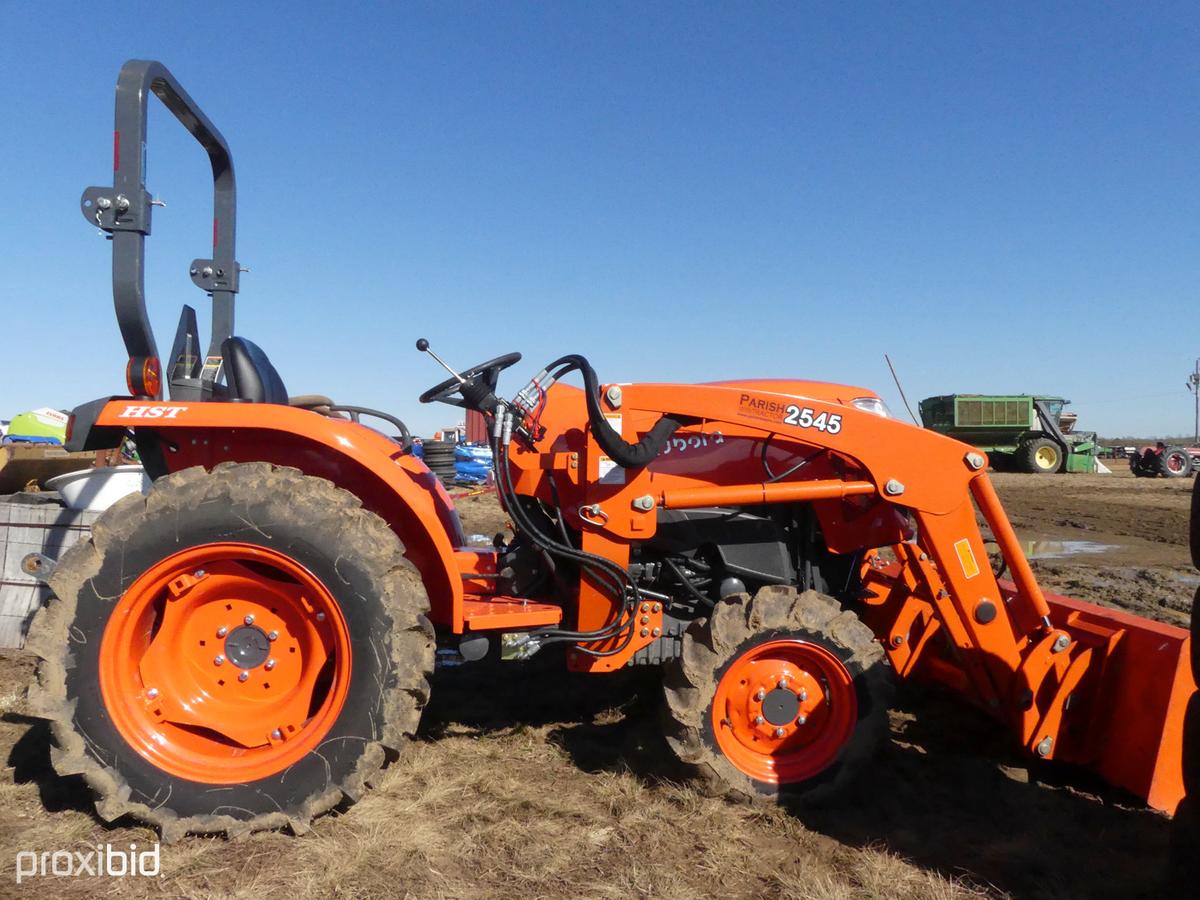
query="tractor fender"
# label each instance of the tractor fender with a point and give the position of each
(393, 484)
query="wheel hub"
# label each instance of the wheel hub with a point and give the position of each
(247, 646)
(226, 662)
(783, 710)
(780, 707)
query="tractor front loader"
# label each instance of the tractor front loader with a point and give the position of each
(244, 646)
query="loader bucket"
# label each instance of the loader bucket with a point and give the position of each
(1128, 725)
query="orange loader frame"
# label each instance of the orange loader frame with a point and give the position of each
(1076, 682)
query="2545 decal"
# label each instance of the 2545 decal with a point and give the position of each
(830, 423)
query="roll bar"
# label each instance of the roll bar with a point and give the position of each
(123, 211)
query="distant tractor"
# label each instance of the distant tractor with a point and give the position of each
(1021, 432)
(1169, 462)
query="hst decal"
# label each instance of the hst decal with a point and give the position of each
(152, 412)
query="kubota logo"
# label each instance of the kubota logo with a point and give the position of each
(152, 412)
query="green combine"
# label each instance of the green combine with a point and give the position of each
(1020, 432)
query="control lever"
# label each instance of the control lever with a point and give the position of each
(423, 346)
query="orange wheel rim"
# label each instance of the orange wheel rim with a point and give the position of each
(225, 663)
(783, 710)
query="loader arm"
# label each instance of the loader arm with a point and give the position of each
(1075, 681)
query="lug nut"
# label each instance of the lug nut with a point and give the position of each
(277, 735)
(320, 617)
(222, 631)
(779, 732)
(758, 720)
(656, 632)
(274, 635)
(152, 693)
(782, 683)
(244, 676)
(800, 720)
(199, 573)
(803, 694)
(761, 695)
(269, 665)
(249, 620)
(218, 659)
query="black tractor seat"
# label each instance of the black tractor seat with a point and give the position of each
(252, 379)
(250, 375)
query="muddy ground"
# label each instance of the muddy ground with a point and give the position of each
(527, 781)
(1112, 539)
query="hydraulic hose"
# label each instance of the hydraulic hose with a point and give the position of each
(625, 454)
(611, 574)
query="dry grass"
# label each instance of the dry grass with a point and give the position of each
(526, 782)
(480, 807)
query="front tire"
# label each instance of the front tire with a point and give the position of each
(782, 696)
(236, 651)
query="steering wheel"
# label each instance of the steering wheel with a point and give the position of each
(479, 381)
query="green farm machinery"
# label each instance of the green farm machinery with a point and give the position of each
(1021, 432)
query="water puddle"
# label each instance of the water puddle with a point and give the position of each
(1061, 549)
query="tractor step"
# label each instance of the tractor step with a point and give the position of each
(511, 613)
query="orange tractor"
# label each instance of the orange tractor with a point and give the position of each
(244, 646)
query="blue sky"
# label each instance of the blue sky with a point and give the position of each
(1002, 197)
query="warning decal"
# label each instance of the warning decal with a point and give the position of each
(966, 557)
(609, 471)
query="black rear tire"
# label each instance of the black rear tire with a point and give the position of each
(1194, 627)
(1194, 525)
(1175, 462)
(352, 552)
